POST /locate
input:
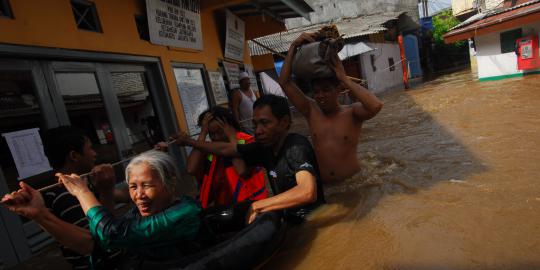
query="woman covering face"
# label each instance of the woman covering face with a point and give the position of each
(221, 180)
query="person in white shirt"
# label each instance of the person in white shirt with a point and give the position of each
(242, 103)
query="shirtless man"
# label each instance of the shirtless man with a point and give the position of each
(335, 128)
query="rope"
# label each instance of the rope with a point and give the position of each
(89, 173)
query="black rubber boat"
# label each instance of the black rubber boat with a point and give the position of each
(247, 248)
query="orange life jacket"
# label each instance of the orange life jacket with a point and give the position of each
(252, 188)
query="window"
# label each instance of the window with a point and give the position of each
(85, 15)
(391, 64)
(508, 40)
(142, 27)
(5, 9)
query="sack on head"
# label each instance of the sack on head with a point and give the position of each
(312, 59)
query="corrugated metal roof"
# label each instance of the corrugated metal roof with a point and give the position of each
(277, 9)
(349, 27)
(490, 13)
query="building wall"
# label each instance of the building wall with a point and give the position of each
(491, 62)
(325, 10)
(51, 24)
(262, 62)
(462, 6)
(382, 79)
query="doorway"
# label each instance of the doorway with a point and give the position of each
(124, 108)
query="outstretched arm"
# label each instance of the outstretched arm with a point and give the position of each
(298, 99)
(29, 203)
(369, 104)
(227, 149)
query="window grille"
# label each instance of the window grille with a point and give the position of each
(85, 15)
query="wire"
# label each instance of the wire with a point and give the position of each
(89, 173)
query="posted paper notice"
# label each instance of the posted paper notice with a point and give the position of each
(27, 152)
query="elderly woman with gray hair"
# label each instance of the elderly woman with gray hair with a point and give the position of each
(156, 228)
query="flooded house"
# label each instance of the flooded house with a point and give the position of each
(371, 32)
(503, 39)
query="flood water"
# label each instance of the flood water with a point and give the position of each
(451, 180)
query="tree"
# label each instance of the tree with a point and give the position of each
(449, 55)
(442, 23)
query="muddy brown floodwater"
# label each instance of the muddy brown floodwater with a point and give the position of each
(451, 180)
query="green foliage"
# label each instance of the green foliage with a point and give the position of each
(442, 23)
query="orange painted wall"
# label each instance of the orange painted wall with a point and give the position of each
(51, 23)
(253, 24)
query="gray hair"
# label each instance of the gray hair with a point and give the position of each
(161, 163)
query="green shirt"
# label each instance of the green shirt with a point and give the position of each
(157, 236)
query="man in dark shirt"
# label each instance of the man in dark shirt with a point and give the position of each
(70, 151)
(289, 160)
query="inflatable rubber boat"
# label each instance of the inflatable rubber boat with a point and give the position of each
(239, 247)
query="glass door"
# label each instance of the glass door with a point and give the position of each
(115, 104)
(143, 126)
(86, 101)
(24, 105)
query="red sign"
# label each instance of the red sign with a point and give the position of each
(527, 52)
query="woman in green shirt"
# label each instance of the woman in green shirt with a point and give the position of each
(161, 226)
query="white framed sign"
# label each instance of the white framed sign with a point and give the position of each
(234, 39)
(232, 71)
(175, 23)
(218, 87)
(191, 89)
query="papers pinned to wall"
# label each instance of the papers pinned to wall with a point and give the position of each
(27, 152)
(193, 95)
(218, 87)
(232, 71)
(234, 40)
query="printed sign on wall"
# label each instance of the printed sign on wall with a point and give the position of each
(175, 23)
(191, 87)
(234, 41)
(218, 87)
(232, 71)
(27, 151)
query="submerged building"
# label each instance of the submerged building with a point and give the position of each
(503, 40)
